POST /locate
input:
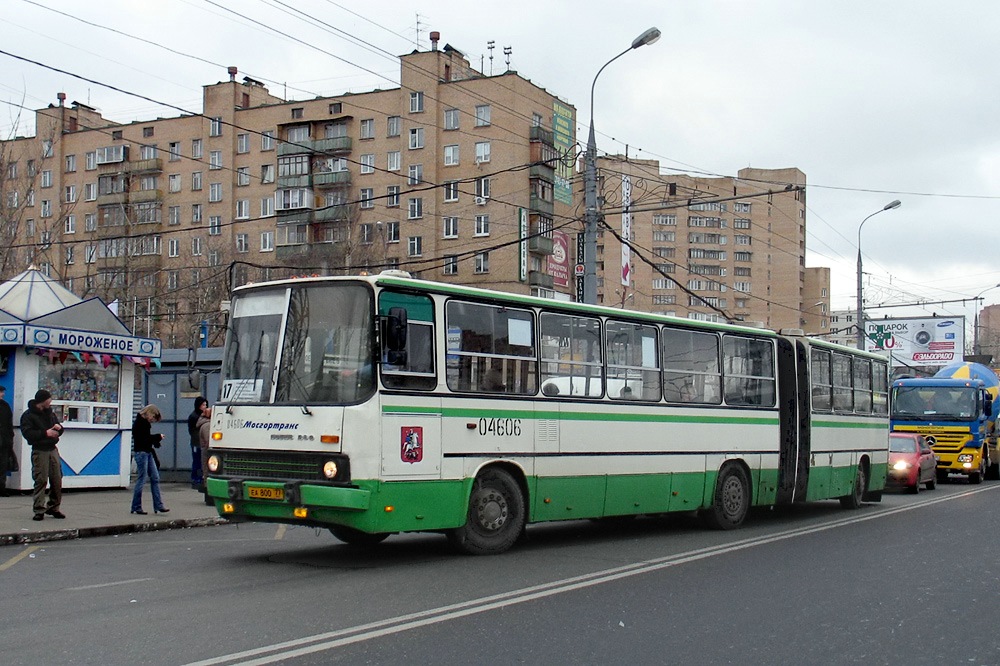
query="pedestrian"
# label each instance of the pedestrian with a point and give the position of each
(8, 461)
(143, 444)
(197, 477)
(204, 439)
(41, 429)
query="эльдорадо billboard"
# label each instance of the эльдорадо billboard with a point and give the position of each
(913, 342)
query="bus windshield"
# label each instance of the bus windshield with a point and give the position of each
(326, 348)
(934, 402)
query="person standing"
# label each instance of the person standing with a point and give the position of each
(8, 461)
(41, 429)
(197, 477)
(204, 440)
(143, 443)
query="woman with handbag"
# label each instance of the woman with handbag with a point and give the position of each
(143, 444)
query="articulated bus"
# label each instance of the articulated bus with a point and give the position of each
(382, 404)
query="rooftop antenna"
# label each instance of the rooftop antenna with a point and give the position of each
(507, 51)
(491, 45)
(419, 30)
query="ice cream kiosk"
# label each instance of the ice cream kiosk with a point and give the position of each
(80, 351)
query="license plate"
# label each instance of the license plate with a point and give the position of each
(256, 492)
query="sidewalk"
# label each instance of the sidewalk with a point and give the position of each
(103, 512)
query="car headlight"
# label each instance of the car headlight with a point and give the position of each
(330, 469)
(214, 463)
(965, 458)
(901, 465)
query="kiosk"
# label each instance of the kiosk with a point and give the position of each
(80, 351)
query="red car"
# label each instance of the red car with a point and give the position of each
(911, 462)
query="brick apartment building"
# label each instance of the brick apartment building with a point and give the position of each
(454, 176)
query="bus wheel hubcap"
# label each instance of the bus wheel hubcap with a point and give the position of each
(732, 497)
(491, 509)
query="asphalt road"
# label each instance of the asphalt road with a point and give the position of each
(912, 580)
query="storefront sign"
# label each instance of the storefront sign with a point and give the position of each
(91, 341)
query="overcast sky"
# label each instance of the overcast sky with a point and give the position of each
(874, 100)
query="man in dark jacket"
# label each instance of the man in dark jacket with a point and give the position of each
(8, 462)
(41, 429)
(196, 477)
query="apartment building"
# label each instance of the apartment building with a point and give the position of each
(714, 249)
(453, 176)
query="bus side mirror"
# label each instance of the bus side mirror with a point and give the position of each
(988, 405)
(395, 325)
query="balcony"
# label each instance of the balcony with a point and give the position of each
(113, 199)
(145, 196)
(145, 166)
(332, 179)
(334, 213)
(293, 181)
(540, 244)
(544, 171)
(539, 279)
(539, 205)
(543, 135)
(340, 144)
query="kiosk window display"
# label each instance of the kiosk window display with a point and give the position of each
(88, 393)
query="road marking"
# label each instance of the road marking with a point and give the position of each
(99, 585)
(333, 639)
(280, 532)
(17, 558)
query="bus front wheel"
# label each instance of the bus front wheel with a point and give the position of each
(354, 537)
(496, 515)
(853, 501)
(731, 502)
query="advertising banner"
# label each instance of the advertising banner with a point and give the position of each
(925, 341)
(558, 261)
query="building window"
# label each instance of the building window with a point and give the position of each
(450, 264)
(242, 143)
(195, 213)
(242, 243)
(267, 140)
(292, 198)
(47, 145)
(416, 102)
(215, 126)
(70, 224)
(741, 207)
(195, 247)
(215, 192)
(296, 134)
(416, 174)
(450, 227)
(174, 147)
(215, 159)
(214, 258)
(416, 208)
(296, 165)
(393, 125)
(90, 222)
(366, 233)
(267, 241)
(483, 187)
(392, 232)
(392, 196)
(266, 174)
(69, 254)
(482, 115)
(740, 239)
(242, 176)
(297, 113)
(482, 152)
(368, 163)
(91, 159)
(416, 138)
(173, 247)
(196, 148)
(196, 181)
(451, 155)
(393, 162)
(46, 208)
(451, 119)
(147, 183)
(482, 262)
(46, 178)
(174, 215)
(70, 193)
(482, 225)
(242, 209)
(148, 153)
(266, 207)
(367, 197)
(415, 246)
(368, 128)
(174, 182)
(70, 163)
(451, 190)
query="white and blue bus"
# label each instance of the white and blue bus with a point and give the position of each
(383, 404)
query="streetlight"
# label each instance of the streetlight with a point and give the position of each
(859, 322)
(590, 182)
(975, 330)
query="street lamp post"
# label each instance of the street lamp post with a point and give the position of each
(590, 182)
(975, 331)
(859, 321)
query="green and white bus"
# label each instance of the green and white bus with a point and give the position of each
(383, 404)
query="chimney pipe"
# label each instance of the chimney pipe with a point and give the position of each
(232, 73)
(61, 97)
(435, 36)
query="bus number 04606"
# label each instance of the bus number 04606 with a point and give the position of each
(500, 427)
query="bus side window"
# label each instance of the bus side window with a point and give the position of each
(413, 369)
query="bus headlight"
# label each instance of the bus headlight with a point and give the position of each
(214, 463)
(330, 469)
(901, 465)
(965, 458)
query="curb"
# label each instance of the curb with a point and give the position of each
(107, 530)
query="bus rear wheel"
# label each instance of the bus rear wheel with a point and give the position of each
(354, 537)
(731, 501)
(496, 516)
(853, 501)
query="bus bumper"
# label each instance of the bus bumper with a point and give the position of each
(271, 499)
